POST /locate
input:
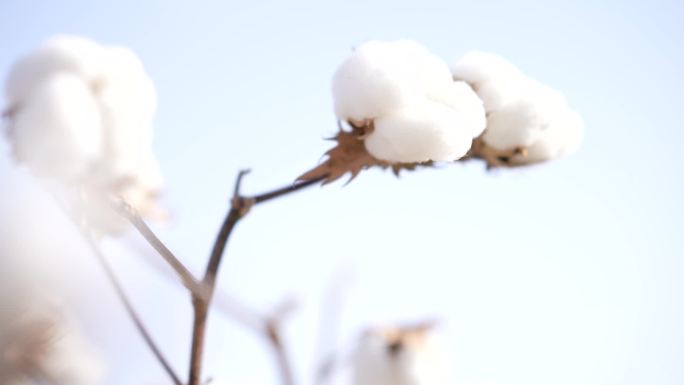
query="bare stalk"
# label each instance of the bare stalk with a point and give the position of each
(240, 206)
(132, 313)
(280, 352)
(189, 281)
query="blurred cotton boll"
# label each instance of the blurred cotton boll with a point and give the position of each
(58, 129)
(40, 344)
(527, 121)
(81, 115)
(408, 355)
(407, 99)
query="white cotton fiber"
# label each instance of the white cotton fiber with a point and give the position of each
(461, 98)
(562, 137)
(58, 131)
(128, 102)
(76, 55)
(419, 133)
(522, 113)
(369, 83)
(477, 67)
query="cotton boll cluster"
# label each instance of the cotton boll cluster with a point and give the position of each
(81, 114)
(406, 99)
(407, 355)
(527, 121)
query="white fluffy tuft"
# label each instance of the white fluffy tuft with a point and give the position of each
(521, 112)
(58, 129)
(420, 133)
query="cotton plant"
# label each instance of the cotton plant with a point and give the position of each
(80, 118)
(527, 121)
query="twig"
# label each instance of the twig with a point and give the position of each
(239, 208)
(185, 275)
(286, 190)
(282, 358)
(118, 288)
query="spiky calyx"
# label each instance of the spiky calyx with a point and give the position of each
(351, 156)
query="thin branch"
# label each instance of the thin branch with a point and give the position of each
(278, 346)
(214, 263)
(185, 275)
(287, 190)
(123, 297)
(239, 208)
(118, 288)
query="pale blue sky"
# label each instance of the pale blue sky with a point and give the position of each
(566, 273)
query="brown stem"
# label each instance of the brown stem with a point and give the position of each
(201, 303)
(185, 275)
(227, 227)
(288, 189)
(132, 313)
(240, 206)
(282, 358)
(199, 328)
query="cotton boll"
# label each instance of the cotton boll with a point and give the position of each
(497, 94)
(71, 54)
(40, 343)
(460, 97)
(82, 114)
(128, 101)
(400, 356)
(71, 360)
(496, 81)
(515, 126)
(518, 124)
(561, 138)
(477, 68)
(365, 87)
(527, 121)
(427, 131)
(423, 72)
(58, 131)
(383, 76)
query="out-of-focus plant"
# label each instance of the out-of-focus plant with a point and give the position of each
(80, 118)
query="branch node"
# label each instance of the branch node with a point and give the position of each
(238, 182)
(242, 205)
